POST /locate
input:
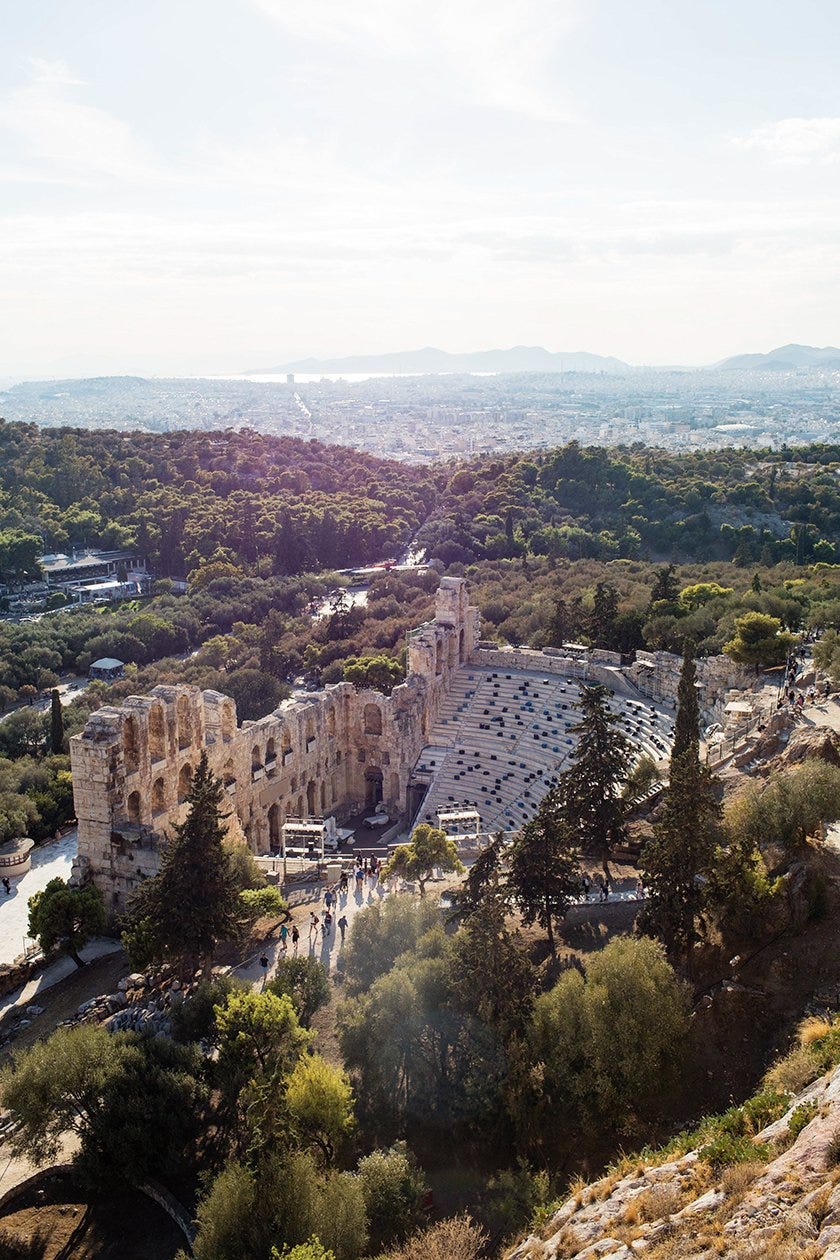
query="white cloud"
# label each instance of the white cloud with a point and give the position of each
(74, 140)
(490, 52)
(797, 140)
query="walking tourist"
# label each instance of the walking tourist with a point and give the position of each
(7, 886)
(284, 932)
(264, 965)
(327, 923)
(328, 898)
(295, 939)
(314, 923)
(360, 878)
(586, 884)
(342, 926)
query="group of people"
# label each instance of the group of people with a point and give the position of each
(794, 696)
(598, 883)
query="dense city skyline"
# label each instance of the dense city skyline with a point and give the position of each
(193, 189)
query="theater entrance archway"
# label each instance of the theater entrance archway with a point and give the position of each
(373, 787)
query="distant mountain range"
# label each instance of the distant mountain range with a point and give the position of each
(431, 362)
(784, 359)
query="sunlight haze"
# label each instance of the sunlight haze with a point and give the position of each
(208, 186)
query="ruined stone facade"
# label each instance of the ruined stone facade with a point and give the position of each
(337, 751)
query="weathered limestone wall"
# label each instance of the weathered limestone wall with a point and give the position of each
(657, 674)
(337, 751)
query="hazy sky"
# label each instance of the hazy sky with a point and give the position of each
(213, 185)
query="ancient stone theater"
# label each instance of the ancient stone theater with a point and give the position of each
(332, 752)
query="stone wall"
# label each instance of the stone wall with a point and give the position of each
(657, 674)
(337, 751)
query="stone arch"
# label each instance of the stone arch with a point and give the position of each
(274, 825)
(270, 750)
(131, 746)
(372, 719)
(228, 774)
(323, 799)
(452, 646)
(185, 725)
(438, 656)
(184, 781)
(311, 799)
(132, 807)
(157, 733)
(373, 787)
(158, 796)
(228, 722)
(285, 742)
(301, 812)
(256, 757)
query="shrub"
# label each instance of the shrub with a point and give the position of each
(800, 1117)
(458, 1238)
(725, 1149)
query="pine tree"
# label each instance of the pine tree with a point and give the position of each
(56, 724)
(192, 903)
(591, 789)
(676, 861)
(544, 874)
(483, 880)
(493, 978)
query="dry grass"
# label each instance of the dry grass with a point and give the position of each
(812, 1029)
(792, 1073)
(737, 1179)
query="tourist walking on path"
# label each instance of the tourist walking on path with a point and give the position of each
(314, 922)
(284, 932)
(328, 899)
(342, 926)
(325, 931)
(360, 878)
(295, 939)
(264, 965)
(7, 886)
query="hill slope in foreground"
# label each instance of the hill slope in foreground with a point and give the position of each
(752, 1184)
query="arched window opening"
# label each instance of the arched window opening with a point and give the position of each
(133, 807)
(131, 749)
(158, 796)
(184, 782)
(157, 733)
(185, 728)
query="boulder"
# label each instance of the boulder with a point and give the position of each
(810, 743)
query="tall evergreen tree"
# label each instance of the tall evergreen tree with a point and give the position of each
(482, 882)
(191, 904)
(56, 723)
(687, 723)
(665, 589)
(676, 861)
(544, 874)
(591, 789)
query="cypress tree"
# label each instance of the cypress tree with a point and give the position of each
(687, 724)
(591, 788)
(191, 904)
(56, 724)
(676, 861)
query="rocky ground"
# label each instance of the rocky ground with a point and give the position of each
(782, 1205)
